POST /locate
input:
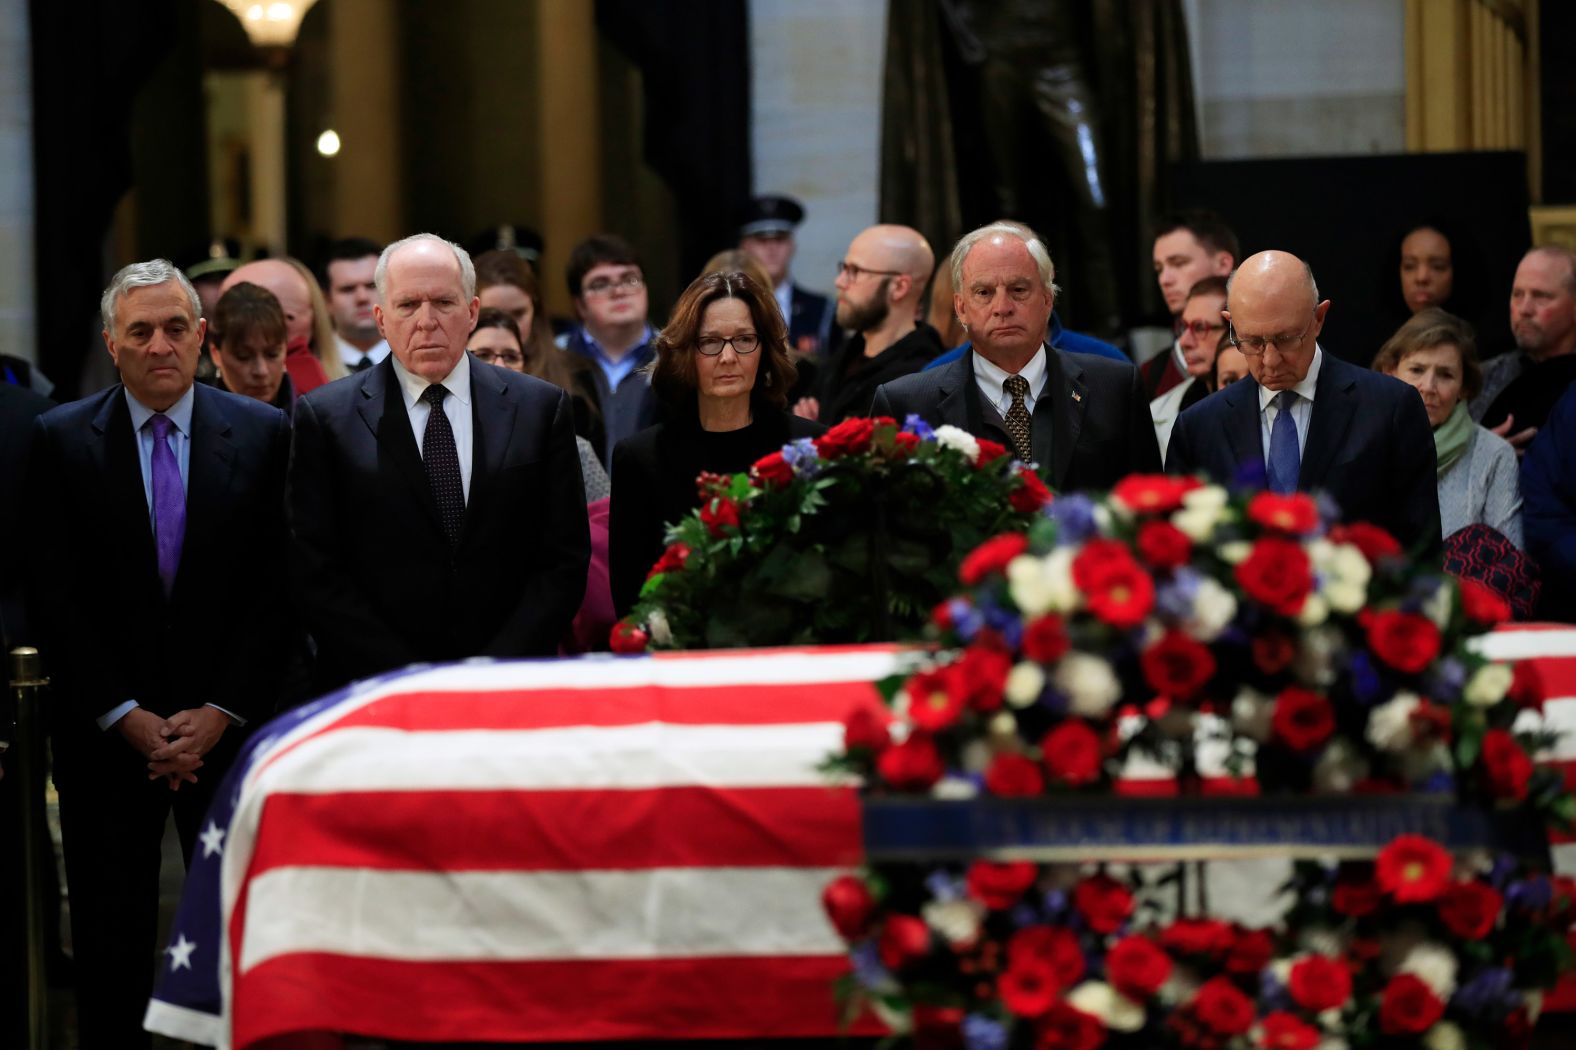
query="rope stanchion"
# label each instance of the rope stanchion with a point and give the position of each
(27, 684)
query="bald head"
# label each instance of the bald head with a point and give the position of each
(1274, 274)
(1273, 307)
(898, 248)
(287, 285)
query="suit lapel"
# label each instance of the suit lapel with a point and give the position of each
(209, 471)
(957, 405)
(1243, 433)
(1334, 404)
(1058, 414)
(383, 410)
(120, 466)
(492, 421)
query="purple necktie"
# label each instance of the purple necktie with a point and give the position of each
(169, 502)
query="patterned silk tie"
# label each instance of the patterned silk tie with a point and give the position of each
(1285, 458)
(169, 501)
(1018, 418)
(442, 459)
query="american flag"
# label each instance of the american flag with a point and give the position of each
(614, 848)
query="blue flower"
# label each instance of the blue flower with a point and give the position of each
(966, 619)
(945, 886)
(1488, 992)
(868, 971)
(1005, 621)
(802, 456)
(1532, 894)
(913, 424)
(1055, 902)
(1445, 682)
(1074, 517)
(1174, 600)
(982, 1033)
(1024, 915)
(1439, 782)
(1366, 687)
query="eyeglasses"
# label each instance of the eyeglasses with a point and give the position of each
(492, 357)
(1201, 328)
(1254, 345)
(853, 271)
(743, 343)
(606, 285)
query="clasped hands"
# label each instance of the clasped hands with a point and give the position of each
(174, 746)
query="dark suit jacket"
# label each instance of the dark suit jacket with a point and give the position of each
(19, 406)
(843, 394)
(1369, 446)
(109, 632)
(809, 321)
(1091, 423)
(373, 573)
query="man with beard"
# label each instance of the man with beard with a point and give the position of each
(880, 290)
(1521, 387)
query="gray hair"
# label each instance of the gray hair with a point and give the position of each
(1562, 254)
(1030, 239)
(148, 274)
(380, 276)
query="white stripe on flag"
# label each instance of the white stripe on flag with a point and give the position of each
(589, 757)
(1560, 717)
(1525, 645)
(522, 916)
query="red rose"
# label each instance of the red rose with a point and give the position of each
(1295, 514)
(1526, 686)
(1354, 897)
(1072, 753)
(772, 471)
(1273, 651)
(913, 765)
(1318, 982)
(1136, 968)
(1014, 776)
(990, 451)
(1470, 909)
(904, 939)
(866, 727)
(848, 438)
(849, 905)
(1252, 952)
(1409, 1006)
(1000, 886)
(1222, 1008)
(1115, 586)
(1406, 641)
(1284, 1031)
(934, 701)
(672, 559)
(1163, 546)
(720, 514)
(1482, 605)
(1198, 937)
(1045, 639)
(1028, 988)
(980, 676)
(1152, 493)
(1303, 720)
(628, 638)
(1375, 543)
(1104, 903)
(1177, 666)
(1507, 765)
(991, 557)
(1413, 869)
(1030, 494)
(1065, 1027)
(1052, 945)
(1277, 574)
(904, 444)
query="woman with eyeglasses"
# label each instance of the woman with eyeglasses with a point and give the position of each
(1201, 330)
(722, 373)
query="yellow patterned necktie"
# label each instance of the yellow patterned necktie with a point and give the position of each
(1018, 418)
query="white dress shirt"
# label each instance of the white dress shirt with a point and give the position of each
(1165, 409)
(457, 406)
(353, 355)
(992, 381)
(1301, 412)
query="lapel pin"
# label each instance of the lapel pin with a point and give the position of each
(1077, 396)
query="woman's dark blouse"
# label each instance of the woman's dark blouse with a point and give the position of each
(654, 475)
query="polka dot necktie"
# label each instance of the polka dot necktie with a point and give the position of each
(442, 459)
(1018, 418)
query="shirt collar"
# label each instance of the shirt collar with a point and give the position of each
(784, 295)
(1304, 388)
(596, 347)
(458, 381)
(994, 378)
(179, 413)
(353, 354)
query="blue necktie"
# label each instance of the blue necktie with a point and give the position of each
(1285, 459)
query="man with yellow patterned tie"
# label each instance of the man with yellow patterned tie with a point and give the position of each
(1082, 420)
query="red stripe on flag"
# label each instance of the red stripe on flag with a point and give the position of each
(562, 830)
(569, 1000)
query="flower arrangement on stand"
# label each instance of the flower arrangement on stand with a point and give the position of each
(849, 537)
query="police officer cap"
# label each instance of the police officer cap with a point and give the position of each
(768, 215)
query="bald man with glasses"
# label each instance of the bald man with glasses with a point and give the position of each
(1309, 421)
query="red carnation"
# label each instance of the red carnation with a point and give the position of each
(1222, 1008)
(1406, 641)
(628, 638)
(1014, 776)
(772, 471)
(1470, 909)
(1072, 753)
(990, 451)
(1029, 987)
(1318, 982)
(934, 702)
(1115, 587)
(1052, 945)
(1136, 968)
(1284, 1031)
(1163, 546)
(1303, 720)
(991, 557)
(849, 905)
(1251, 953)
(1045, 639)
(1152, 493)
(1198, 937)
(1295, 514)
(1065, 1027)
(1273, 651)
(1177, 665)
(1001, 885)
(904, 939)
(1413, 869)
(913, 765)
(866, 727)
(1277, 574)
(1104, 903)
(848, 438)
(980, 676)
(672, 559)
(1375, 543)
(904, 444)
(1508, 766)
(1355, 897)
(1409, 1006)
(1030, 494)
(1482, 605)
(720, 514)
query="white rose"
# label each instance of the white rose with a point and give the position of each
(1320, 553)
(1089, 684)
(1444, 1036)
(1344, 596)
(1434, 965)
(958, 921)
(657, 625)
(954, 788)
(1002, 724)
(1315, 610)
(1214, 608)
(1439, 606)
(1338, 768)
(1058, 568)
(1027, 583)
(1207, 497)
(949, 436)
(976, 756)
(1316, 655)
(1234, 552)
(1348, 565)
(1114, 1010)
(1197, 523)
(1253, 715)
(1488, 686)
(1025, 683)
(1390, 724)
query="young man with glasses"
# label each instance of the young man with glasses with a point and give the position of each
(609, 291)
(1310, 421)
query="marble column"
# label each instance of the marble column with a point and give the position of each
(18, 309)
